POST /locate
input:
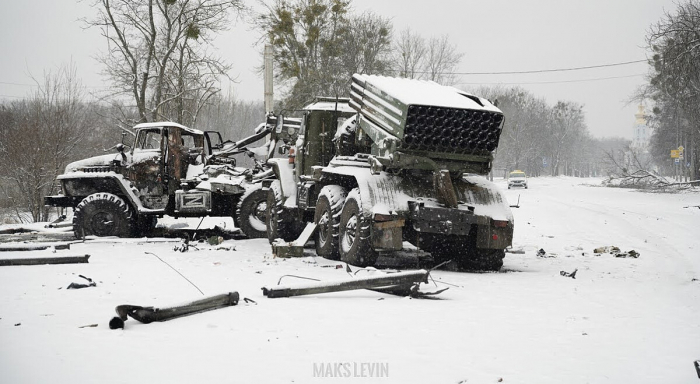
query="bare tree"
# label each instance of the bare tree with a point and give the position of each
(368, 46)
(442, 60)
(157, 52)
(409, 54)
(674, 83)
(39, 137)
(566, 129)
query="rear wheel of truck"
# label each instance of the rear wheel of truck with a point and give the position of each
(327, 218)
(355, 244)
(103, 214)
(251, 212)
(485, 260)
(281, 224)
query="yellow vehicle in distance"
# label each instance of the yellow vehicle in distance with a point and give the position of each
(517, 179)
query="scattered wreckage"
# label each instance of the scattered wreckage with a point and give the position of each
(405, 283)
(402, 160)
(150, 314)
(169, 169)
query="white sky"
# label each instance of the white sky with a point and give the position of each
(494, 35)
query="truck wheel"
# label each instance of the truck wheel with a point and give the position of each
(354, 240)
(251, 212)
(103, 214)
(280, 222)
(327, 217)
(485, 260)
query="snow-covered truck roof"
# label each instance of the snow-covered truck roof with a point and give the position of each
(159, 124)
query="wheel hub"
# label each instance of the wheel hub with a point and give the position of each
(102, 223)
(350, 231)
(323, 227)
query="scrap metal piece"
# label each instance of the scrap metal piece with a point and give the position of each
(408, 278)
(294, 248)
(45, 260)
(150, 314)
(32, 247)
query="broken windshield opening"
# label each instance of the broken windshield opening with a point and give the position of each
(149, 139)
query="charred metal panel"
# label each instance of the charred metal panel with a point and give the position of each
(388, 235)
(145, 175)
(440, 220)
(81, 187)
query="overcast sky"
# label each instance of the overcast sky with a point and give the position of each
(494, 35)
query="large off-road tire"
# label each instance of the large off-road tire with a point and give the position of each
(444, 248)
(327, 218)
(281, 224)
(103, 214)
(354, 240)
(485, 260)
(251, 212)
(464, 254)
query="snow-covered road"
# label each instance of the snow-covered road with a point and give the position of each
(622, 320)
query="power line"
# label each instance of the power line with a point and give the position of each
(539, 70)
(555, 82)
(35, 85)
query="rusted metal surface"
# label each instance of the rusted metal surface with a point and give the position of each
(45, 260)
(443, 185)
(150, 314)
(386, 280)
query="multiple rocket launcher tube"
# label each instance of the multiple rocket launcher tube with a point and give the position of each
(423, 127)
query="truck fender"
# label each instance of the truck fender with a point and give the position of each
(119, 185)
(284, 171)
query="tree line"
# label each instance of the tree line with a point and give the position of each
(160, 61)
(674, 87)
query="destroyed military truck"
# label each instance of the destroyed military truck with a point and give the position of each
(170, 169)
(401, 160)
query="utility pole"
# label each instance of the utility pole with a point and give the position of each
(269, 101)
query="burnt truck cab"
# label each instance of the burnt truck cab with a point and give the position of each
(169, 169)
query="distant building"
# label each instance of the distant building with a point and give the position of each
(642, 132)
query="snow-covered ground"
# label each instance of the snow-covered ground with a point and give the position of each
(621, 320)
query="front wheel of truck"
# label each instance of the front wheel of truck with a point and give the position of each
(103, 214)
(251, 212)
(327, 217)
(354, 240)
(280, 222)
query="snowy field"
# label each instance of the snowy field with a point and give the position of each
(621, 320)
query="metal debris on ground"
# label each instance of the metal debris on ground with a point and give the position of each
(543, 253)
(33, 247)
(150, 314)
(405, 281)
(615, 251)
(281, 248)
(79, 285)
(567, 274)
(184, 246)
(215, 240)
(45, 260)
(632, 253)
